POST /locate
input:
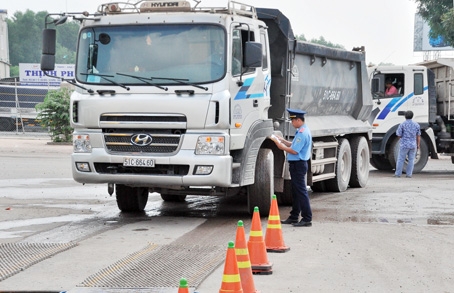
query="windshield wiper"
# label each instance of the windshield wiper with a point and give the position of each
(73, 82)
(144, 79)
(180, 81)
(104, 76)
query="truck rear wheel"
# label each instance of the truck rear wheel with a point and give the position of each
(319, 186)
(173, 197)
(131, 199)
(343, 168)
(380, 163)
(360, 162)
(261, 192)
(422, 156)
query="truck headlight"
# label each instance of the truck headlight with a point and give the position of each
(210, 145)
(81, 143)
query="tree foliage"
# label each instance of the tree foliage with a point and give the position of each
(301, 38)
(320, 41)
(54, 114)
(439, 14)
(25, 38)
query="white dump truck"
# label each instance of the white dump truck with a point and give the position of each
(181, 100)
(427, 90)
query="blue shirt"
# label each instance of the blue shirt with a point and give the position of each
(408, 131)
(302, 144)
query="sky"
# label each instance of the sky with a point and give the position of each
(384, 27)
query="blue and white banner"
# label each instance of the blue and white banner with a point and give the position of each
(31, 74)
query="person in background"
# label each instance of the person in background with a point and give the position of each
(299, 153)
(390, 89)
(409, 133)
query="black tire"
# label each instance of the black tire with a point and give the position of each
(286, 197)
(319, 186)
(131, 199)
(360, 162)
(421, 158)
(343, 168)
(261, 192)
(173, 197)
(7, 124)
(380, 163)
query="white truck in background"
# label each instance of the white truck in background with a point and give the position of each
(427, 90)
(182, 100)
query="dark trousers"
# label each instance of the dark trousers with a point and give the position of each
(301, 203)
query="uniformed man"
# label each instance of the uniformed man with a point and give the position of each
(298, 154)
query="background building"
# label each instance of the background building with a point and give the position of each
(4, 48)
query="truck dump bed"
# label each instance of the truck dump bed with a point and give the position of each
(331, 85)
(443, 69)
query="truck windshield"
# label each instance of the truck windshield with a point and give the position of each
(164, 54)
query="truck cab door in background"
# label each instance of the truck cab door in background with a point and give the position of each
(386, 106)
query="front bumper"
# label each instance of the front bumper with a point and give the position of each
(177, 170)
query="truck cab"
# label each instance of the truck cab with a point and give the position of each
(416, 92)
(182, 100)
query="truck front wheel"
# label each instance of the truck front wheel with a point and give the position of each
(131, 199)
(261, 192)
(422, 156)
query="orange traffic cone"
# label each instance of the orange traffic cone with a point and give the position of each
(257, 248)
(244, 263)
(231, 281)
(183, 288)
(273, 238)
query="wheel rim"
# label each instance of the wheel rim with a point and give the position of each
(364, 161)
(344, 166)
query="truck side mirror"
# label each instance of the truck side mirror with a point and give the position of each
(253, 55)
(48, 52)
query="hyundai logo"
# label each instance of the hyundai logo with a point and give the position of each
(141, 139)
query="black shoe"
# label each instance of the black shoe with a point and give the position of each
(302, 224)
(289, 221)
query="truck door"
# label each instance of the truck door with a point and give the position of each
(249, 87)
(388, 91)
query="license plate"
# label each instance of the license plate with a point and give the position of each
(138, 162)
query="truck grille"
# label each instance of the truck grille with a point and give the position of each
(122, 142)
(161, 133)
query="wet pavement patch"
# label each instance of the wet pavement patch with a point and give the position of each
(440, 221)
(16, 257)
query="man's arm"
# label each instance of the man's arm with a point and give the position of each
(286, 148)
(284, 145)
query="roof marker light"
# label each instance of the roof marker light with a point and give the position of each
(113, 7)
